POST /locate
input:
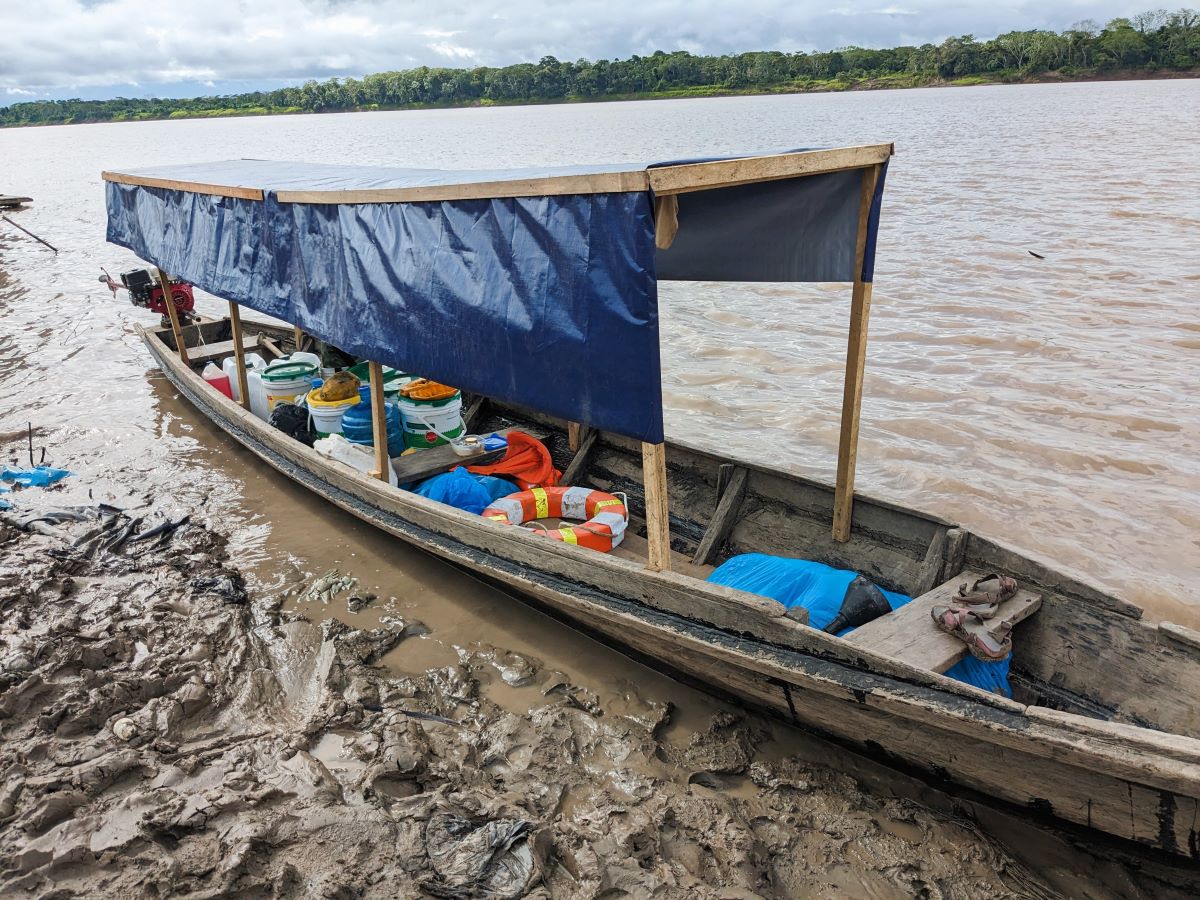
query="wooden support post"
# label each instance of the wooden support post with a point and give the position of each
(575, 435)
(173, 314)
(239, 353)
(379, 422)
(658, 527)
(856, 360)
(299, 337)
(666, 221)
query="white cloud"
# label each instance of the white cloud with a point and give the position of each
(159, 42)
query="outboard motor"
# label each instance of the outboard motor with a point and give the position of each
(146, 292)
(862, 603)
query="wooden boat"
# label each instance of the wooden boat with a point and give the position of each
(1103, 731)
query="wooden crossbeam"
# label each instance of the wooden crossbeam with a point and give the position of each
(723, 519)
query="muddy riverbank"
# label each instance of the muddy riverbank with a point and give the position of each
(165, 733)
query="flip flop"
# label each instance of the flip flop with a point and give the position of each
(983, 643)
(986, 594)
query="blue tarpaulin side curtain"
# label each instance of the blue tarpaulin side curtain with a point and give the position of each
(549, 302)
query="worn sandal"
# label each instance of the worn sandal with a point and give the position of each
(985, 644)
(986, 594)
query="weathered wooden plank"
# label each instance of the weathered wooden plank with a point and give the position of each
(203, 353)
(637, 548)
(436, 460)
(239, 352)
(379, 426)
(956, 552)
(192, 187)
(579, 462)
(556, 185)
(934, 563)
(173, 314)
(723, 519)
(856, 361)
(680, 179)
(658, 526)
(909, 635)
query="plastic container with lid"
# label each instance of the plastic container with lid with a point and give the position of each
(358, 428)
(285, 380)
(254, 363)
(217, 379)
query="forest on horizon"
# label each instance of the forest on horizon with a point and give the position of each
(1157, 43)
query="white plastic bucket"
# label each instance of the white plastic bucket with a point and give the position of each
(283, 382)
(327, 417)
(431, 423)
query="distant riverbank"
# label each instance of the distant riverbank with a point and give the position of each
(217, 106)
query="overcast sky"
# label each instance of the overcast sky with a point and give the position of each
(109, 48)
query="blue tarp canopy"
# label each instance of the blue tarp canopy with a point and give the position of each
(535, 286)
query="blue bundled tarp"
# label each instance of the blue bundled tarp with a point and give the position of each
(539, 287)
(819, 589)
(465, 490)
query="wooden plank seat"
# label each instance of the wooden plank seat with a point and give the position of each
(637, 548)
(909, 634)
(436, 460)
(204, 353)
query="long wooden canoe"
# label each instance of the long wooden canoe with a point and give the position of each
(1104, 733)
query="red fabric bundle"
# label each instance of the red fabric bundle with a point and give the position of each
(527, 462)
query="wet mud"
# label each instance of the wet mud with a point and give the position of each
(163, 733)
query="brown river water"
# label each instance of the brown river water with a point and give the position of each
(1048, 403)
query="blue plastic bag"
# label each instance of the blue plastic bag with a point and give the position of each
(463, 490)
(820, 588)
(40, 476)
(794, 582)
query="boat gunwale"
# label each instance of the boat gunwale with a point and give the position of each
(828, 647)
(1165, 762)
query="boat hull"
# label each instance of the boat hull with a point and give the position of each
(1124, 783)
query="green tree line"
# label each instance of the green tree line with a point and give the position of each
(1155, 42)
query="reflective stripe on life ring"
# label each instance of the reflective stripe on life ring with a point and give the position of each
(605, 515)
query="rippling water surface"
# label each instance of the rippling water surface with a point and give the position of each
(1048, 403)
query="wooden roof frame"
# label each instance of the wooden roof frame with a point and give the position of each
(662, 180)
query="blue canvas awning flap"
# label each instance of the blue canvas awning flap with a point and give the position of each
(538, 287)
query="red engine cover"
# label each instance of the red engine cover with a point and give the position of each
(181, 292)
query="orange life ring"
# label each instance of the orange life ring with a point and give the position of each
(605, 515)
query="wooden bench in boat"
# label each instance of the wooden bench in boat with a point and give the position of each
(436, 460)
(637, 548)
(909, 635)
(214, 352)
